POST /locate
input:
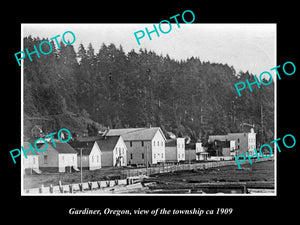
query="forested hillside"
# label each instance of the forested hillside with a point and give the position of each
(92, 89)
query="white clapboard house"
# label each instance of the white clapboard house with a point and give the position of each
(88, 153)
(145, 145)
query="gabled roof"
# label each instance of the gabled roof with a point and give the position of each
(84, 143)
(61, 148)
(108, 143)
(38, 127)
(26, 147)
(136, 134)
(86, 146)
(87, 139)
(116, 132)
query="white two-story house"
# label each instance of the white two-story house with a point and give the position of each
(145, 145)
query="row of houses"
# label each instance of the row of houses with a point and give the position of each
(233, 144)
(89, 154)
(116, 148)
(130, 146)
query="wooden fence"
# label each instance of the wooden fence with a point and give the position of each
(130, 176)
(164, 168)
(84, 187)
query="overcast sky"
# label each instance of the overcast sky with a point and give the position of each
(249, 47)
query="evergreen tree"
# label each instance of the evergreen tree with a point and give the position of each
(137, 89)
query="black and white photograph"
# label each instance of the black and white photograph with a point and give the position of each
(155, 113)
(145, 117)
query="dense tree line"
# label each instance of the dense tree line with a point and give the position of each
(137, 89)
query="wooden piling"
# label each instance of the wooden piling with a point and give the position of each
(60, 187)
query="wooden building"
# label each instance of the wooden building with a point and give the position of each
(59, 158)
(88, 153)
(175, 150)
(145, 145)
(244, 142)
(113, 151)
(36, 131)
(190, 152)
(31, 163)
(201, 154)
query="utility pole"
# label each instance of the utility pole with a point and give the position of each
(147, 157)
(201, 122)
(234, 110)
(261, 95)
(262, 123)
(81, 166)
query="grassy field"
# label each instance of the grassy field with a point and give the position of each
(260, 171)
(34, 181)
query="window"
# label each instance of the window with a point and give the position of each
(122, 151)
(45, 159)
(162, 144)
(142, 143)
(142, 155)
(119, 151)
(131, 144)
(131, 156)
(238, 140)
(162, 155)
(63, 158)
(153, 143)
(154, 156)
(97, 158)
(92, 158)
(157, 143)
(178, 156)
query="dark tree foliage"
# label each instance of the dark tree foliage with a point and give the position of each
(188, 97)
